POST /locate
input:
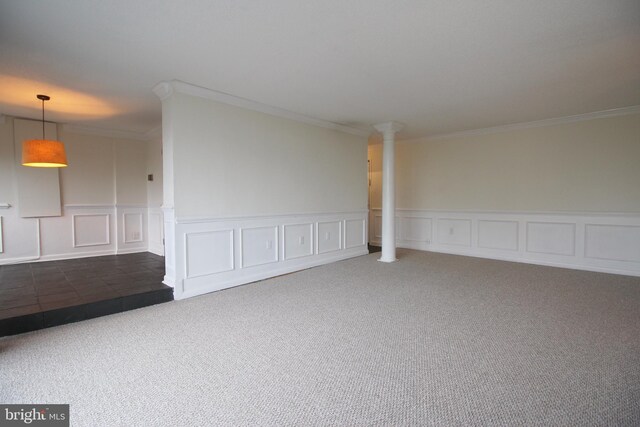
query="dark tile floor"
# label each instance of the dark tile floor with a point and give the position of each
(42, 294)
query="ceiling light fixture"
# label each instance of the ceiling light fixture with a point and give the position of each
(43, 153)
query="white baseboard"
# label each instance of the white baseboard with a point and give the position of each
(131, 251)
(606, 242)
(18, 260)
(70, 255)
(218, 253)
(56, 257)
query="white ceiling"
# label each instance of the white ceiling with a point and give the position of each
(437, 66)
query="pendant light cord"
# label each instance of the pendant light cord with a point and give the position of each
(43, 119)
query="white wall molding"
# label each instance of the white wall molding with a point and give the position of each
(131, 225)
(421, 212)
(137, 206)
(132, 230)
(166, 89)
(587, 241)
(202, 219)
(225, 252)
(634, 109)
(5, 205)
(90, 230)
(78, 206)
(170, 259)
(252, 255)
(329, 236)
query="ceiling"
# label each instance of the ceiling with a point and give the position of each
(437, 66)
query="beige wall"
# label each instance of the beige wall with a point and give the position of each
(7, 188)
(130, 159)
(587, 166)
(89, 178)
(231, 161)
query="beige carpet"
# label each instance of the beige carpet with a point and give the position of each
(431, 340)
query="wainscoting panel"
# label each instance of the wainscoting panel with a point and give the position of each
(298, 240)
(81, 231)
(588, 241)
(1, 237)
(377, 226)
(329, 236)
(416, 229)
(91, 230)
(498, 235)
(171, 246)
(259, 247)
(454, 231)
(208, 252)
(613, 242)
(132, 230)
(551, 238)
(356, 234)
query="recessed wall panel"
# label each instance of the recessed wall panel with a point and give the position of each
(208, 252)
(454, 232)
(132, 227)
(416, 229)
(329, 236)
(551, 238)
(259, 246)
(613, 242)
(90, 230)
(354, 233)
(298, 240)
(498, 235)
(377, 226)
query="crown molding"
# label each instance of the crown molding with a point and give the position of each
(634, 109)
(110, 133)
(166, 89)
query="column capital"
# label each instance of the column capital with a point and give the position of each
(388, 127)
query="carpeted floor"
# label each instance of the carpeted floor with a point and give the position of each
(433, 339)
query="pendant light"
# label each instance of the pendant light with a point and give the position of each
(43, 153)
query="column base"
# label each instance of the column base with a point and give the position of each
(387, 259)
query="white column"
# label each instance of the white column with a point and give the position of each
(388, 131)
(166, 93)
